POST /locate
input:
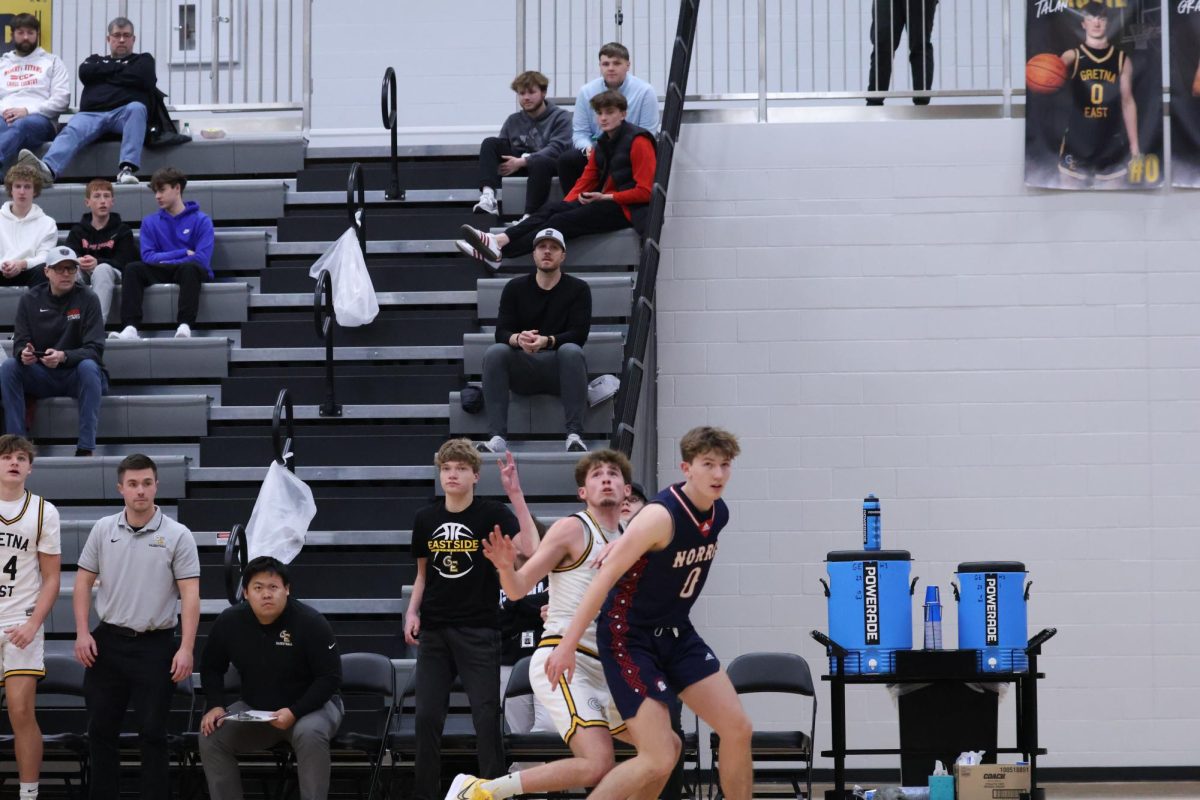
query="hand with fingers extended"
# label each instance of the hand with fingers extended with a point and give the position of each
(500, 550)
(509, 478)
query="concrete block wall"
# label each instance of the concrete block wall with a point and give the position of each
(881, 306)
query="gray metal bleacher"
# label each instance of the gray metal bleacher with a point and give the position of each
(612, 295)
(96, 478)
(619, 248)
(529, 415)
(222, 201)
(513, 193)
(241, 154)
(167, 416)
(161, 359)
(219, 303)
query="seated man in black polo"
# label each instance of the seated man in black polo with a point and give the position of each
(287, 657)
(613, 192)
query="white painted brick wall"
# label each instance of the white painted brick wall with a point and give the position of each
(882, 307)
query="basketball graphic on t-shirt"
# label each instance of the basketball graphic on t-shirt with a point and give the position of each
(452, 550)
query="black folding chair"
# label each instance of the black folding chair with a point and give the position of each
(370, 676)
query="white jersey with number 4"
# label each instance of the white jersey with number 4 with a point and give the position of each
(28, 526)
(568, 584)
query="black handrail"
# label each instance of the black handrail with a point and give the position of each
(323, 316)
(387, 102)
(283, 447)
(647, 276)
(236, 552)
(357, 211)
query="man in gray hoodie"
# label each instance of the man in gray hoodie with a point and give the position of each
(35, 87)
(529, 143)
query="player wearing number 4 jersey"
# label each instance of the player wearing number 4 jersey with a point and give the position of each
(647, 585)
(29, 574)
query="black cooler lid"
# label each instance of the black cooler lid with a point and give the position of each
(991, 566)
(868, 555)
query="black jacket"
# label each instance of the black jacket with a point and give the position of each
(70, 323)
(113, 244)
(613, 157)
(564, 312)
(110, 83)
(292, 663)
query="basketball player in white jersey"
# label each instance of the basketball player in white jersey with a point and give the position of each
(29, 573)
(582, 709)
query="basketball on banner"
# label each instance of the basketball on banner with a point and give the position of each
(39, 8)
(1093, 75)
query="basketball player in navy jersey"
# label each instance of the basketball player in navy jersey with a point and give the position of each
(644, 590)
(1102, 134)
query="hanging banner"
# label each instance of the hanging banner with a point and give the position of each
(1185, 93)
(1093, 79)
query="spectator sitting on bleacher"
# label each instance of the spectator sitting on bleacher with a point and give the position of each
(614, 76)
(613, 193)
(26, 233)
(530, 143)
(57, 345)
(177, 246)
(286, 655)
(104, 243)
(35, 87)
(542, 325)
(117, 90)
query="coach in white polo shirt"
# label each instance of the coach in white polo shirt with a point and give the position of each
(146, 563)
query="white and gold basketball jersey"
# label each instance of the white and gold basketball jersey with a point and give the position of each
(28, 526)
(568, 584)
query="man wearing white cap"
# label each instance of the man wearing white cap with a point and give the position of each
(58, 346)
(541, 328)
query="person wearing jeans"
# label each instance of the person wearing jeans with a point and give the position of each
(35, 87)
(117, 90)
(58, 343)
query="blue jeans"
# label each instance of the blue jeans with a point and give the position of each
(85, 382)
(28, 133)
(87, 126)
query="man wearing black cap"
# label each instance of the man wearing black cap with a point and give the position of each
(634, 502)
(57, 345)
(541, 328)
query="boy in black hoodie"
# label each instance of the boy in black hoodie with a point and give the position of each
(104, 243)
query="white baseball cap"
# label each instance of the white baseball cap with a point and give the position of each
(58, 255)
(550, 233)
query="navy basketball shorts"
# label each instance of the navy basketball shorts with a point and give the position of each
(651, 662)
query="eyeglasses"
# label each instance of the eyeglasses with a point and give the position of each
(127, 35)
(65, 269)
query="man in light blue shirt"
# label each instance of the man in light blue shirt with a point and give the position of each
(614, 74)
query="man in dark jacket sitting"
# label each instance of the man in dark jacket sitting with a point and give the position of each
(529, 143)
(613, 192)
(58, 344)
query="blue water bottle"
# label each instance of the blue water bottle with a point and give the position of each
(933, 618)
(871, 527)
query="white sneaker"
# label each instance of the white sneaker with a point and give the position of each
(184, 331)
(468, 787)
(575, 444)
(126, 176)
(128, 332)
(486, 204)
(496, 444)
(484, 242)
(467, 249)
(522, 219)
(27, 158)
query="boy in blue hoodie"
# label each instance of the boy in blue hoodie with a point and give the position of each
(177, 246)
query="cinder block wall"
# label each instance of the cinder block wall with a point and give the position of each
(883, 307)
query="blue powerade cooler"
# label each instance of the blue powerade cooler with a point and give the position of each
(870, 607)
(992, 614)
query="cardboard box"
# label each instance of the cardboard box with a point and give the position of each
(992, 781)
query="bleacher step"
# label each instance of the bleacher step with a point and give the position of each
(375, 197)
(414, 327)
(349, 411)
(390, 386)
(332, 449)
(388, 274)
(404, 222)
(95, 478)
(424, 174)
(385, 299)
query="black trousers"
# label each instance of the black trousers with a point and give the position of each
(474, 655)
(136, 670)
(571, 165)
(889, 18)
(570, 219)
(540, 171)
(137, 275)
(28, 277)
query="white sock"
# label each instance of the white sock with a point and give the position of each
(505, 786)
(29, 791)
(489, 192)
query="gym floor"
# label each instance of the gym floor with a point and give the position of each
(1150, 790)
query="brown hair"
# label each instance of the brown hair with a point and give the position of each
(11, 443)
(135, 462)
(27, 21)
(168, 176)
(530, 79)
(597, 457)
(615, 50)
(459, 450)
(706, 439)
(97, 185)
(609, 98)
(22, 172)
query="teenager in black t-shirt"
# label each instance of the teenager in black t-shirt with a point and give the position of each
(453, 609)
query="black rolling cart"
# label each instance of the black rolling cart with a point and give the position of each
(940, 669)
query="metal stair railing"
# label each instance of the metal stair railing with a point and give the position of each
(642, 316)
(283, 416)
(387, 102)
(235, 562)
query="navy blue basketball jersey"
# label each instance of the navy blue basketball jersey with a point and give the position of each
(661, 588)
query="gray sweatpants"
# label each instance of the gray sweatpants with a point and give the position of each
(102, 279)
(562, 371)
(309, 737)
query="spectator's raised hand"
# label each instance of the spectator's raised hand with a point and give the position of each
(509, 478)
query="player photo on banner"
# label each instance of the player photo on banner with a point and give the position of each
(1185, 93)
(1093, 79)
